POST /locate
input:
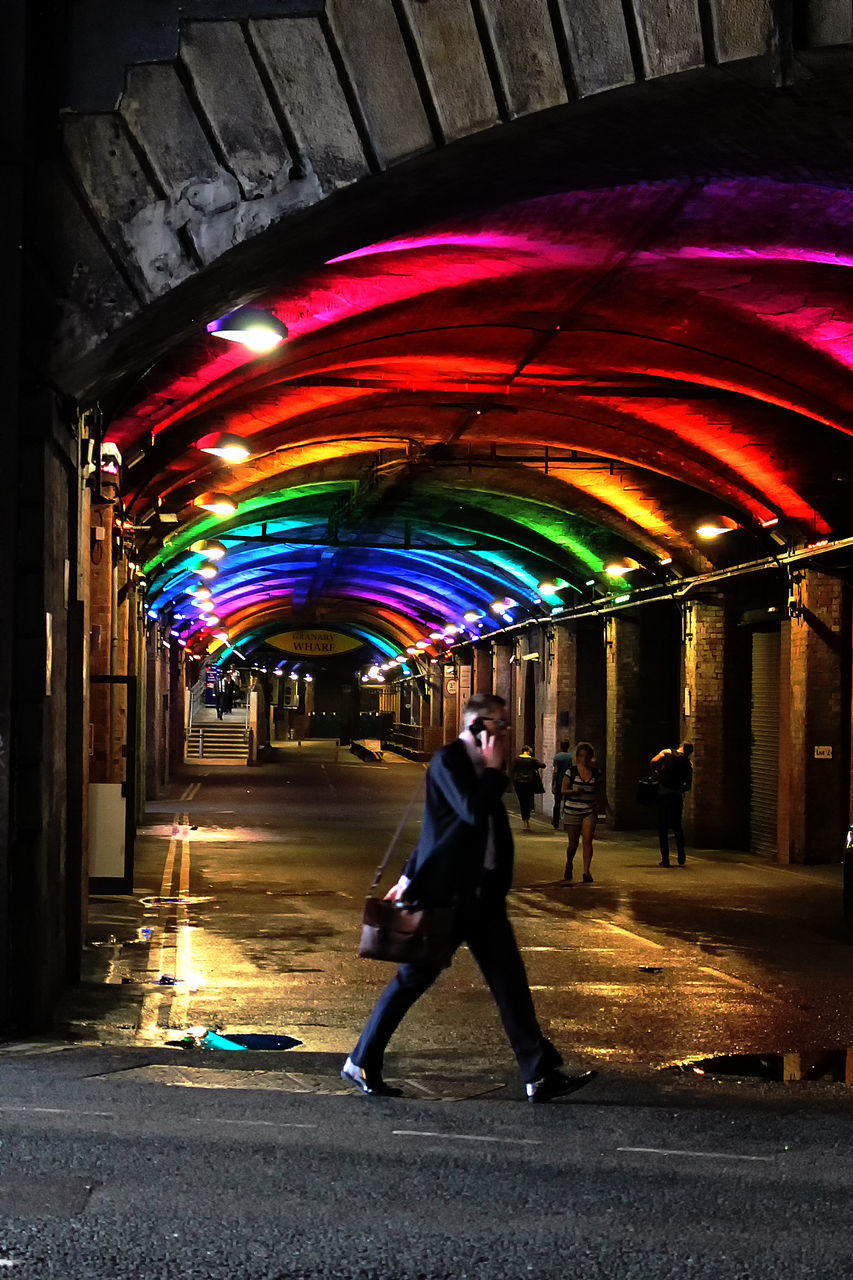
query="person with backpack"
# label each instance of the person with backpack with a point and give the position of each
(525, 777)
(673, 771)
(559, 765)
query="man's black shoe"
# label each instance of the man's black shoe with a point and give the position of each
(368, 1081)
(556, 1084)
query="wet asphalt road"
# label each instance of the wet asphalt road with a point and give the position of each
(123, 1157)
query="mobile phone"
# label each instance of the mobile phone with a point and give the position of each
(477, 727)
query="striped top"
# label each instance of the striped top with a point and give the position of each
(582, 803)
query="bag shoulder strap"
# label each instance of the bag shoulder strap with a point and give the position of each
(380, 870)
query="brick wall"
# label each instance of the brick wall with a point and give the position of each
(817, 664)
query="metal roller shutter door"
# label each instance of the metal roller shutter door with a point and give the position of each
(764, 752)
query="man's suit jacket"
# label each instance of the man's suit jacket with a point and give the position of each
(447, 862)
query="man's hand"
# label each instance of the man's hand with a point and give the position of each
(396, 892)
(492, 750)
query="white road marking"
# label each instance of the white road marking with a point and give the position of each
(465, 1137)
(699, 1155)
(262, 1124)
(727, 977)
(10, 1262)
(60, 1111)
(638, 937)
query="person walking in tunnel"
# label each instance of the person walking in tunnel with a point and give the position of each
(581, 791)
(219, 696)
(561, 762)
(674, 776)
(525, 777)
(464, 860)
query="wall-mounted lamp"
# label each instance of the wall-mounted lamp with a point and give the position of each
(251, 327)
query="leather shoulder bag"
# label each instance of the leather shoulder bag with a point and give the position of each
(400, 933)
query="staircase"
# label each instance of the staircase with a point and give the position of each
(218, 744)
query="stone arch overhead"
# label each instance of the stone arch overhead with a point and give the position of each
(358, 114)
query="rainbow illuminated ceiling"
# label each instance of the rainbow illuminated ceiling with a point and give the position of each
(459, 415)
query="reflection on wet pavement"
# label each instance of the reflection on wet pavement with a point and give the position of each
(257, 924)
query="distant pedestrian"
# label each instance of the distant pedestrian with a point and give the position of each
(219, 697)
(524, 775)
(674, 776)
(227, 695)
(561, 762)
(582, 799)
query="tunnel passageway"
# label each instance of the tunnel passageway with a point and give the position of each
(645, 967)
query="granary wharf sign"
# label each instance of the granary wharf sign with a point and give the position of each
(314, 643)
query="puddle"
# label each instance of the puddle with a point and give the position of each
(207, 1038)
(833, 1066)
(187, 901)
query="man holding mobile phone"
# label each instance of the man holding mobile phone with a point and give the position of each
(464, 860)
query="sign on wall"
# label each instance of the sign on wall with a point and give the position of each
(314, 643)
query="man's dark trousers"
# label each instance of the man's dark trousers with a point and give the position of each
(670, 809)
(484, 926)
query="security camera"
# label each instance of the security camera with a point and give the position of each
(110, 453)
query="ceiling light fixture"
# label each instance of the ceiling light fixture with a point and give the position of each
(211, 550)
(716, 526)
(206, 571)
(549, 585)
(217, 503)
(224, 445)
(619, 568)
(251, 327)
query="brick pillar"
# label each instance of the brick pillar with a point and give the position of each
(501, 654)
(715, 718)
(436, 699)
(561, 688)
(815, 696)
(450, 696)
(177, 706)
(101, 607)
(482, 669)
(627, 754)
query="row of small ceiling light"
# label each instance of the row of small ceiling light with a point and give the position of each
(259, 332)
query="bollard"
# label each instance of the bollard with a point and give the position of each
(337, 748)
(299, 746)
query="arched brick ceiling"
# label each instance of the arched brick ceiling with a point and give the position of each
(463, 412)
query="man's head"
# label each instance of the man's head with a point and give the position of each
(565, 745)
(686, 748)
(488, 708)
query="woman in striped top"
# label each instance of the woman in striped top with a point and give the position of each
(581, 801)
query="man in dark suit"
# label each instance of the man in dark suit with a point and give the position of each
(464, 859)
